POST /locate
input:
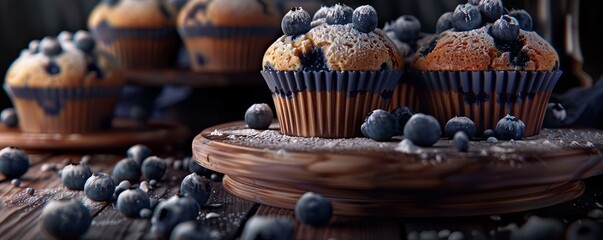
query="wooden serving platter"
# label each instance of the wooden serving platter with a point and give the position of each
(365, 177)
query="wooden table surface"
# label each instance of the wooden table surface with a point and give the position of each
(19, 211)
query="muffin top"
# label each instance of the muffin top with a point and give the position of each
(133, 14)
(229, 13)
(344, 40)
(474, 38)
(66, 61)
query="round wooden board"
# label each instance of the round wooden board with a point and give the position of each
(364, 177)
(124, 133)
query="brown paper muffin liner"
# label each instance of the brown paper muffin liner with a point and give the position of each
(64, 110)
(405, 93)
(328, 104)
(487, 96)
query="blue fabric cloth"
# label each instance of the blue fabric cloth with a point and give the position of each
(584, 106)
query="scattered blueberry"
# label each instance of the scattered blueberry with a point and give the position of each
(489, 133)
(422, 130)
(146, 213)
(524, 19)
(65, 36)
(365, 19)
(131, 201)
(491, 9)
(339, 14)
(401, 116)
(456, 235)
(49, 167)
(321, 13)
(34, 46)
(263, 227)
(461, 141)
(65, 219)
(9, 117)
(139, 153)
(492, 140)
(122, 186)
(171, 212)
(74, 176)
(466, 17)
(506, 28)
(153, 182)
(50, 47)
(126, 169)
(463, 124)
(153, 168)
(30, 191)
(84, 41)
(99, 187)
(555, 116)
(509, 128)
(216, 177)
(194, 167)
(584, 229)
(313, 209)
(539, 228)
(380, 125)
(16, 182)
(407, 28)
(190, 230)
(444, 234)
(14, 163)
(425, 235)
(258, 116)
(296, 22)
(444, 22)
(196, 187)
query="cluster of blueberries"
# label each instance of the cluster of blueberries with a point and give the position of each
(9, 117)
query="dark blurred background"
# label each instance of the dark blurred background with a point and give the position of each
(25, 20)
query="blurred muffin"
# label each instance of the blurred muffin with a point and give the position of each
(227, 35)
(487, 71)
(141, 34)
(64, 86)
(325, 79)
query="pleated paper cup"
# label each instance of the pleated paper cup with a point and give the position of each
(64, 110)
(487, 96)
(405, 94)
(328, 104)
(237, 49)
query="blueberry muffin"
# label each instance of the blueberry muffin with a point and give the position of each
(64, 86)
(485, 64)
(227, 35)
(141, 34)
(325, 79)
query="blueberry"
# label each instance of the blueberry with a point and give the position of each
(407, 28)
(153, 182)
(146, 213)
(8, 116)
(509, 128)
(584, 229)
(121, 187)
(14, 163)
(139, 153)
(126, 169)
(460, 124)
(264, 227)
(65, 36)
(461, 141)
(16, 182)
(171, 212)
(258, 116)
(190, 230)
(365, 19)
(321, 13)
(216, 177)
(339, 14)
(539, 228)
(196, 187)
(401, 116)
(444, 22)
(491, 9)
(84, 41)
(555, 116)
(505, 29)
(50, 47)
(296, 22)
(313, 209)
(34, 46)
(194, 167)
(524, 19)
(466, 17)
(489, 133)
(422, 130)
(30, 191)
(379, 125)
(99, 187)
(74, 176)
(153, 168)
(131, 201)
(456, 235)
(492, 140)
(65, 219)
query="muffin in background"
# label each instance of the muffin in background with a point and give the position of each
(141, 34)
(64, 85)
(486, 71)
(325, 79)
(227, 35)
